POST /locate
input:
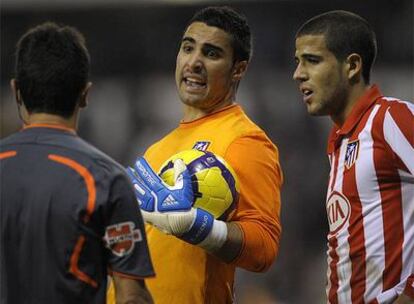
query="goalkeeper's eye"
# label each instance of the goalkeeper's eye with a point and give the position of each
(187, 48)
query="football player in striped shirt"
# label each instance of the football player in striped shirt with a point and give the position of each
(370, 197)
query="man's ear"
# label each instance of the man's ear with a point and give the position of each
(16, 92)
(354, 67)
(83, 99)
(239, 69)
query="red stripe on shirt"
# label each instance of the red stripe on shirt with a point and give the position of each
(356, 238)
(333, 291)
(401, 113)
(335, 172)
(333, 242)
(409, 287)
(391, 202)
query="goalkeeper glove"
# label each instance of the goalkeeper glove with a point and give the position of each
(169, 208)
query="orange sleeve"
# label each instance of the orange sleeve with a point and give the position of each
(255, 160)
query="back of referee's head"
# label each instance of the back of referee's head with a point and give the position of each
(52, 69)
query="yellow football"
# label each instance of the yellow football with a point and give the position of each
(215, 184)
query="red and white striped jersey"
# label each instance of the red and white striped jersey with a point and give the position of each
(370, 203)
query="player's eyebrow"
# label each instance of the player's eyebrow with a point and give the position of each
(213, 47)
(188, 39)
(308, 56)
(205, 45)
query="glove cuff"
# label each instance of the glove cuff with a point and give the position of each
(216, 238)
(200, 229)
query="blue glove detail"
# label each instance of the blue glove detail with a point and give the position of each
(155, 195)
(142, 193)
(201, 227)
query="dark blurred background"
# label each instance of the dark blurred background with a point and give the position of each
(133, 102)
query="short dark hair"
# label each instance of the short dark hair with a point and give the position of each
(233, 23)
(345, 33)
(52, 68)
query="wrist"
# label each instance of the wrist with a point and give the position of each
(204, 231)
(200, 228)
(216, 238)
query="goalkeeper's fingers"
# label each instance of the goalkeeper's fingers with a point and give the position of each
(139, 187)
(142, 193)
(179, 169)
(144, 171)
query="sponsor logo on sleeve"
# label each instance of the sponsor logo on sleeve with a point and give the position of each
(201, 145)
(338, 210)
(121, 238)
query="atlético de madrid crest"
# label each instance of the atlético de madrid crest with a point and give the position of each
(201, 145)
(351, 154)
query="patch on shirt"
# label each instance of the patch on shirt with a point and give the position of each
(201, 145)
(121, 238)
(338, 210)
(351, 155)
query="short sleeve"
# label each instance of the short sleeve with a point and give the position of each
(125, 238)
(399, 133)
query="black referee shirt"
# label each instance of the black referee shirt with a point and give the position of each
(68, 213)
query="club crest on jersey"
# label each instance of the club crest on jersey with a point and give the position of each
(201, 145)
(121, 238)
(351, 154)
(338, 210)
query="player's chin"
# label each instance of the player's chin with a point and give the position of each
(312, 110)
(315, 109)
(193, 100)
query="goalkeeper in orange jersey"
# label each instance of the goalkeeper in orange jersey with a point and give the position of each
(199, 268)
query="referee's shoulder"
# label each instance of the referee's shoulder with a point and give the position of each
(98, 157)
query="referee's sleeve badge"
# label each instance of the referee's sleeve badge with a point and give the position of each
(121, 238)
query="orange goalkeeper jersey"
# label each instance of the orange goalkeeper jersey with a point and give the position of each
(187, 274)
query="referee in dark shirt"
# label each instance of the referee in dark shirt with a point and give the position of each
(68, 213)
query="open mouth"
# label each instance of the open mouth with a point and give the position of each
(194, 83)
(307, 94)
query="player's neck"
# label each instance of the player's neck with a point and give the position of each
(51, 119)
(354, 95)
(192, 113)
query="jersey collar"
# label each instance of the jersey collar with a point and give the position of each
(234, 107)
(50, 126)
(363, 104)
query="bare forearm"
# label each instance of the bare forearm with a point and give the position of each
(131, 291)
(252, 245)
(233, 245)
